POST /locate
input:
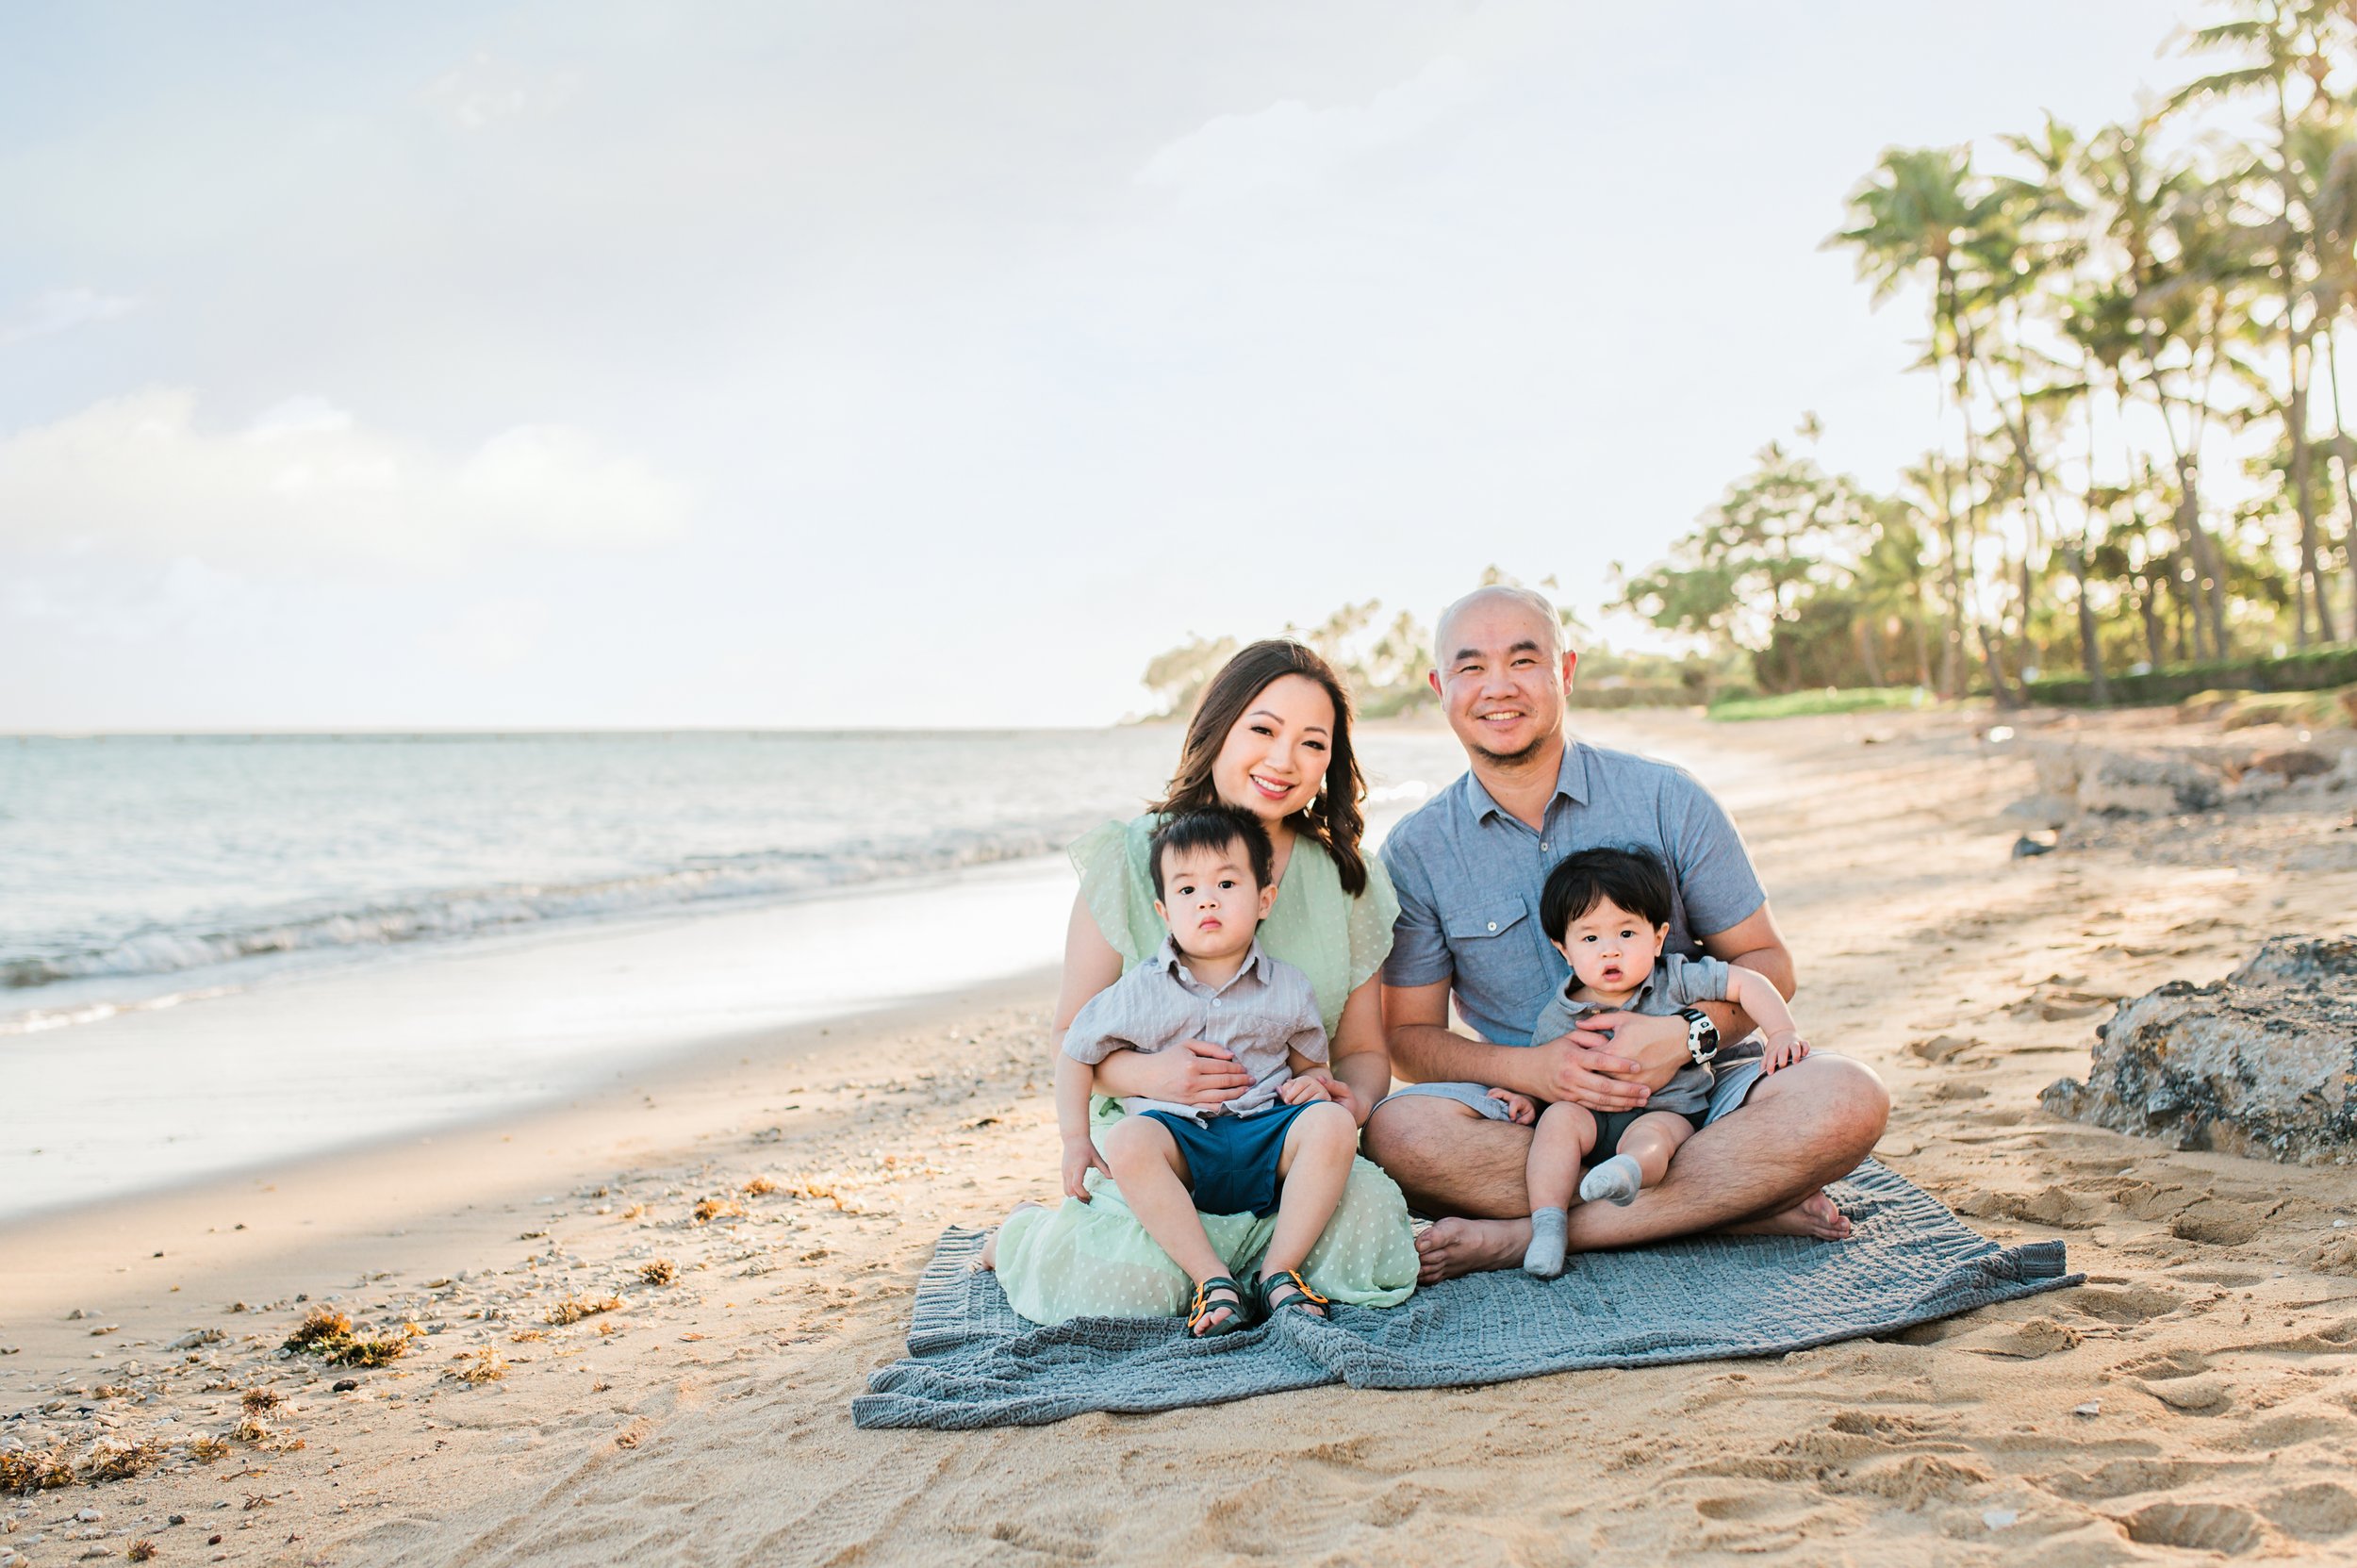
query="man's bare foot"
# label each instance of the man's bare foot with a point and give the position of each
(990, 1243)
(1814, 1215)
(1449, 1247)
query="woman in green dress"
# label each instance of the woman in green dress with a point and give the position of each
(1272, 735)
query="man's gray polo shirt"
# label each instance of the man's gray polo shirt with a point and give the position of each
(1468, 874)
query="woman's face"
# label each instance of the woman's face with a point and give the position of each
(1274, 758)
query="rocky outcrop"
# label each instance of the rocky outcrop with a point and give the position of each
(2262, 1063)
(2076, 778)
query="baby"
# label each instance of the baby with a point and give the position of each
(1608, 912)
(1282, 1146)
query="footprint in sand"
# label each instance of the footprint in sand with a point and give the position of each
(2128, 1477)
(2123, 1304)
(2023, 1341)
(2162, 1365)
(2196, 1527)
(2219, 1223)
(2192, 1396)
(2321, 1511)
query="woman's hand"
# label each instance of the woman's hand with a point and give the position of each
(1193, 1072)
(1079, 1157)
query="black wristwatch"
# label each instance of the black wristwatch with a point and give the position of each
(1702, 1035)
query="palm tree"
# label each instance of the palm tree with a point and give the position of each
(2281, 42)
(2176, 261)
(2332, 150)
(1918, 212)
(1941, 489)
(1889, 581)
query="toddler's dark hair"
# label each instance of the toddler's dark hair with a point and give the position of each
(1212, 828)
(1634, 879)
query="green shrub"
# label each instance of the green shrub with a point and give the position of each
(2314, 670)
(1823, 699)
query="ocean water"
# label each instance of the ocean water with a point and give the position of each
(148, 871)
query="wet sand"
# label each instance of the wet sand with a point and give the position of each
(2195, 1396)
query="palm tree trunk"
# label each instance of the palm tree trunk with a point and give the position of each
(1952, 634)
(1923, 648)
(2091, 649)
(1868, 632)
(2349, 480)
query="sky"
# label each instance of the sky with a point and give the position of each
(571, 364)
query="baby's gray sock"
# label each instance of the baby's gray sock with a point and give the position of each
(1619, 1179)
(1546, 1255)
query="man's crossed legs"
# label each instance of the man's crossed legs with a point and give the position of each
(1759, 1169)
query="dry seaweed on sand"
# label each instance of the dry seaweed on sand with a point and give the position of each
(710, 1208)
(327, 1334)
(141, 1550)
(320, 1326)
(257, 1401)
(574, 1308)
(760, 1186)
(205, 1448)
(479, 1367)
(369, 1352)
(119, 1461)
(31, 1470)
(661, 1271)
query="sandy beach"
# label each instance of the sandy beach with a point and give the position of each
(735, 1235)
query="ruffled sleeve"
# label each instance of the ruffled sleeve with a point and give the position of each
(1372, 916)
(1111, 859)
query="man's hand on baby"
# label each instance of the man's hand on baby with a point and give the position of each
(1783, 1050)
(1304, 1087)
(1655, 1046)
(1079, 1155)
(1520, 1110)
(1576, 1070)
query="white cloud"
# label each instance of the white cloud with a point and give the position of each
(1289, 143)
(483, 93)
(63, 309)
(308, 484)
(489, 637)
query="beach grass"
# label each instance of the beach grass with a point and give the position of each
(1793, 704)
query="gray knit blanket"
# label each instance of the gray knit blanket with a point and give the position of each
(973, 1362)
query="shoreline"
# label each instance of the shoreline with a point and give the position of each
(409, 1043)
(404, 1202)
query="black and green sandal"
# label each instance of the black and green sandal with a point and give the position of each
(1287, 1291)
(1238, 1308)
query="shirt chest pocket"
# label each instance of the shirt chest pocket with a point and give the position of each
(1491, 945)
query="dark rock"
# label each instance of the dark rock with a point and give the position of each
(345, 1385)
(2026, 846)
(2262, 1063)
(2292, 763)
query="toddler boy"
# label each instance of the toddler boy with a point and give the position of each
(1282, 1146)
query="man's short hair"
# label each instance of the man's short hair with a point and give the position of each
(1634, 879)
(1212, 828)
(1530, 598)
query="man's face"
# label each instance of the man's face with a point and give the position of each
(1211, 902)
(1500, 680)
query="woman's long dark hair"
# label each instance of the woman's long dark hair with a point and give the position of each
(1333, 818)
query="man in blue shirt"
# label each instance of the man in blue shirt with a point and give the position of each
(1468, 865)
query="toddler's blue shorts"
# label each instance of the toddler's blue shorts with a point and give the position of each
(1231, 1161)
